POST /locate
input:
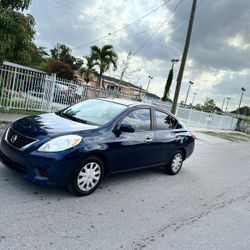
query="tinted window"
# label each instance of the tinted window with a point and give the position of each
(164, 121)
(94, 111)
(140, 118)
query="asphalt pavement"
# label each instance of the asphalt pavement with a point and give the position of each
(206, 206)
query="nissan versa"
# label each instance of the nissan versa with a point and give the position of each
(76, 147)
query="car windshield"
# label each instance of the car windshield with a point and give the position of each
(98, 112)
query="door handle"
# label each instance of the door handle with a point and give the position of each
(148, 140)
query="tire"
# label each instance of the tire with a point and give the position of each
(174, 166)
(87, 177)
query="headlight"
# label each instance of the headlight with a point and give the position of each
(60, 143)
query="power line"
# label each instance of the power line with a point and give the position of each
(163, 44)
(124, 27)
(92, 17)
(158, 28)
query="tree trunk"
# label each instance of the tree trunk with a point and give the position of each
(100, 80)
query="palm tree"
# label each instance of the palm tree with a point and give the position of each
(104, 57)
(88, 71)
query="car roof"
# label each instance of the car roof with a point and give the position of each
(121, 101)
(130, 103)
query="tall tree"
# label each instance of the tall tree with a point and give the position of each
(16, 31)
(89, 70)
(168, 85)
(63, 53)
(104, 58)
(39, 55)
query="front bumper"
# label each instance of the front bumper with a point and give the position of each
(39, 167)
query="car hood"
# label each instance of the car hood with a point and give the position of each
(48, 124)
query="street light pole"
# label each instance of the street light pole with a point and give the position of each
(228, 100)
(222, 106)
(242, 93)
(195, 93)
(174, 61)
(190, 83)
(149, 79)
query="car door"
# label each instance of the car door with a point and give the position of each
(166, 137)
(135, 150)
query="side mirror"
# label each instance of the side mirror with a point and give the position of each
(127, 128)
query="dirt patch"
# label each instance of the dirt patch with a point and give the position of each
(234, 137)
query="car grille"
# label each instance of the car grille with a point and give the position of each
(12, 165)
(18, 140)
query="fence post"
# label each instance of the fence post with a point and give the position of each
(13, 88)
(52, 90)
(189, 116)
(199, 122)
(221, 123)
(177, 109)
(231, 123)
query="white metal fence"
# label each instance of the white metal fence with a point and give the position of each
(29, 89)
(200, 119)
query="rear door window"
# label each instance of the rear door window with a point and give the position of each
(165, 121)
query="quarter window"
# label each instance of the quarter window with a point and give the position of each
(140, 118)
(164, 121)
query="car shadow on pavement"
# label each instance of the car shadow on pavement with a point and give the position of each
(12, 182)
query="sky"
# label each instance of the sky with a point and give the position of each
(219, 55)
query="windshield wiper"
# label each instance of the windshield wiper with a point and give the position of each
(73, 118)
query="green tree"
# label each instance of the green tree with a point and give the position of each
(89, 70)
(16, 31)
(168, 85)
(104, 58)
(39, 56)
(198, 107)
(63, 53)
(208, 105)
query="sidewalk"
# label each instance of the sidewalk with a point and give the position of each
(197, 129)
(10, 117)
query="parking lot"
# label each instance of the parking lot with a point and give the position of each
(206, 206)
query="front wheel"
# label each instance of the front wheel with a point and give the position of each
(87, 177)
(174, 166)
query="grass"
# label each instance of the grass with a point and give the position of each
(234, 137)
(19, 111)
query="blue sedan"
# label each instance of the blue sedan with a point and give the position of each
(78, 146)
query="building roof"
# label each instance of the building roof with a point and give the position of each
(120, 82)
(153, 96)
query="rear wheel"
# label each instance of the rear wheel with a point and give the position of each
(174, 166)
(87, 177)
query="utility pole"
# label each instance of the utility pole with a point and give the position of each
(184, 57)
(190, 83)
